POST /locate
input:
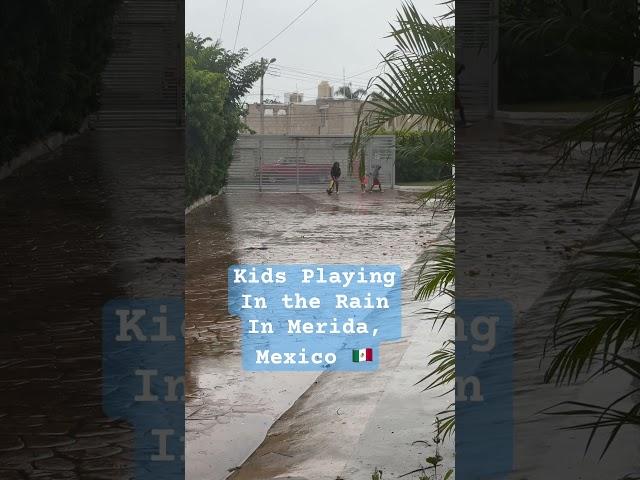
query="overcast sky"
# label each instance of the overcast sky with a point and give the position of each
(331, 36)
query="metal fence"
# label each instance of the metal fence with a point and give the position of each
(281, 163)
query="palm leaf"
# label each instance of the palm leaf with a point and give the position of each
(435, 277)
(444, 362)
(612, 139)
(417, 85)
(599, 316)
(604, 417)
(416, 92)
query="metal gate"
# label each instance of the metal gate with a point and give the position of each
(281, 163)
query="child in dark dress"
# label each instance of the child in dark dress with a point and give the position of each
(335, 176)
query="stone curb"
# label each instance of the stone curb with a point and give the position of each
(198, 203)
(49, 144)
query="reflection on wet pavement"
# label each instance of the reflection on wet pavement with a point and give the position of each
(228, 410)
(98, 219)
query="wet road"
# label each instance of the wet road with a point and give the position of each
(223, 401)
(98, 219)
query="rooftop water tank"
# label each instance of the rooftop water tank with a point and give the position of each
(325, 90)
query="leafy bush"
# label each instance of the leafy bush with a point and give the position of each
(215, 85)
(416, 161)
(52, 57)
(205, 94)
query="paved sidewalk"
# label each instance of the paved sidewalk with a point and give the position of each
(100, 218)
(347, 424)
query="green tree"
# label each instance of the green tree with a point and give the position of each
(206, 130)
(347, 92)
(216, 82)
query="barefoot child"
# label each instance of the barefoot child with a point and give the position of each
(335, 176)
(363, 182)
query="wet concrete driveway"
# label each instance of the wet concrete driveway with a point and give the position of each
(229, 411)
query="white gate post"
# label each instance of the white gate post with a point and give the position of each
(297, 166)
(393, 162)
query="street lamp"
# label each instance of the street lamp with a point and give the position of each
(265, 66)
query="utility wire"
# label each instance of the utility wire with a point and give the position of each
(285, 28)
(238, 29)
(329, 75)
(358, 74)
(224, 16)
(306, 79)
(320, 76)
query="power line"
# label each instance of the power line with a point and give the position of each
(285, 28)
(238, 29)
(324, 75)
(291, 76)
(332, 76)
(358, 74)
(224, 16)
(320, 76)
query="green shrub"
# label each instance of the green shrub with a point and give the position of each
(52, 58)
(417, 161)
(215, 85)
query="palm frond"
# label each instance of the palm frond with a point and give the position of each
(417, 85)
(609, 139)
(442, 196)
(604, 417)
(443, 362)
(416, 92)
(447, 420)
(599, 316)
(598, 320)
(435, 278)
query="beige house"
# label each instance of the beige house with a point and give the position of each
(325, 115)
